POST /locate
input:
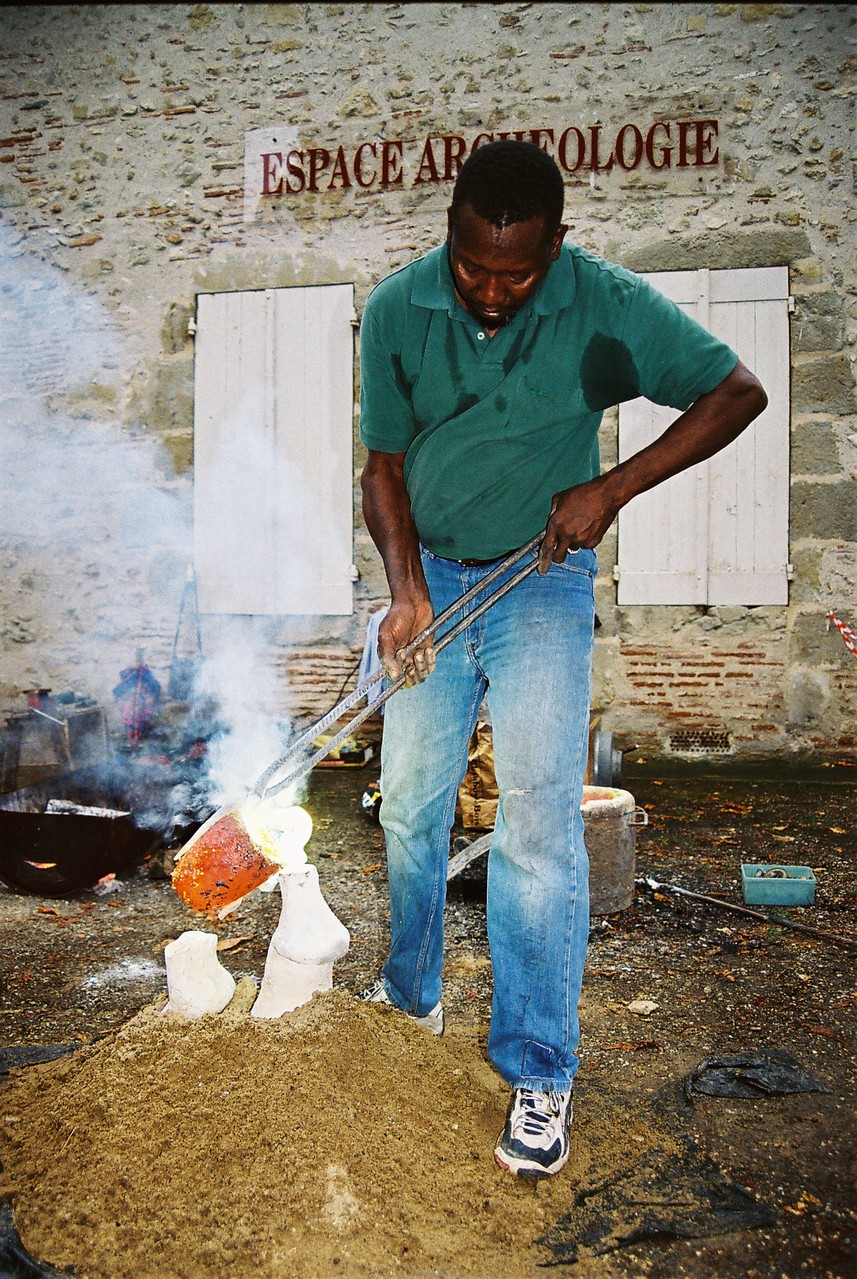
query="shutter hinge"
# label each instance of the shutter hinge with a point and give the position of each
(355, 320)
(616, 572)
(191, 327)
(792, 305)
(790, 572)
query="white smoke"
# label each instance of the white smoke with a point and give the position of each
(243, 693)
(96, 532)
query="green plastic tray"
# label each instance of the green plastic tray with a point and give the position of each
(796, 887)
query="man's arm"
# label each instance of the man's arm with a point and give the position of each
(387, 510)
(580, 516)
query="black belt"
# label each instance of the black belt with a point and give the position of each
(483, 563)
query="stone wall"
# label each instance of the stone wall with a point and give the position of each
(123, 195)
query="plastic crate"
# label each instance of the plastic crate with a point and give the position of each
(777, 885)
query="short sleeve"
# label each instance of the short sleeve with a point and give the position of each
(676, 359)
(387, 421)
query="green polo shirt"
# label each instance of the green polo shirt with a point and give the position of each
(492, 428)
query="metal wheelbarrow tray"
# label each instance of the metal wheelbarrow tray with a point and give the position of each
(59, 853)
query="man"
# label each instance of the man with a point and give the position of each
(485, 369)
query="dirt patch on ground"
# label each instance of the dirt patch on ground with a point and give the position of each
(331, 1132)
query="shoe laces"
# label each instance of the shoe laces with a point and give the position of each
(537, 1111)
(374, 990)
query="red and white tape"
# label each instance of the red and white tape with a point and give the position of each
(847, 633)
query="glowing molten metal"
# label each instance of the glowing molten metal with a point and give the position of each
(240, 852)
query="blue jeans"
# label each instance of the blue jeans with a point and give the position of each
(532, 653)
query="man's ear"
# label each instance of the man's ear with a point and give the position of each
(556, 242)
(449, 225)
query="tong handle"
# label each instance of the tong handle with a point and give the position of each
(307, 765)
(357, 694)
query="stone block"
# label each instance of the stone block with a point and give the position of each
(283, 15)
(819, 301)
(103, 108)
(162, 396)
(807, 694)
(823, 511)
(179, 449)
(815, 643)
(12, 195)
(805, 271)
(814, 449)
(823, 384)
(720, 250)
(95, 401)
(174, 335)
(200, 17)
(806, 585)
(819, 323)
(359, 102)
(838, 574)
(818, 333)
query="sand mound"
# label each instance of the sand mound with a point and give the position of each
(341, 1139)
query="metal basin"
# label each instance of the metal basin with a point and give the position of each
(59, 853)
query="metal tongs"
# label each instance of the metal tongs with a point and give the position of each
(264, 789)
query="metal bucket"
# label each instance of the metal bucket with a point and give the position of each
(610, 819)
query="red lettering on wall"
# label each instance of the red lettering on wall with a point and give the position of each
(536, 139)
(666, 152)
(340, 171)
(319, 159)
(683, 128)
(594, 163)
(706, 133)
(359, 176)
(637, 142)
(427, 171)
(272, 173)
(294, 168)
(562, 149)
(454, 149)
(392, 174)
(386, 163)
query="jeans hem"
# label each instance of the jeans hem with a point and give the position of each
(544, 1085)
(409, 1011)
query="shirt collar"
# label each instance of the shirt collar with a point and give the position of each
(433, 287)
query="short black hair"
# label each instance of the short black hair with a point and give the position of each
(506, 182)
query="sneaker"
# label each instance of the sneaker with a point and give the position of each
(535, 1141)
(432, 1021)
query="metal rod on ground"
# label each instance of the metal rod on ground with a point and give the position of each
(469, 854)
(778, 920)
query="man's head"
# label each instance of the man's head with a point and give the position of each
(504, 228)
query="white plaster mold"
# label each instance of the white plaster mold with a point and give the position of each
(307, 941)
(197, 982)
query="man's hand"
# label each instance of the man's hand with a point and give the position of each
(387, 509)
(405, 620)
(580, 516)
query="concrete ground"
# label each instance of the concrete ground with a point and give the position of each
(759, 1186)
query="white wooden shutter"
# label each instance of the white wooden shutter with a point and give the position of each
(273, 477)
(717, 533)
